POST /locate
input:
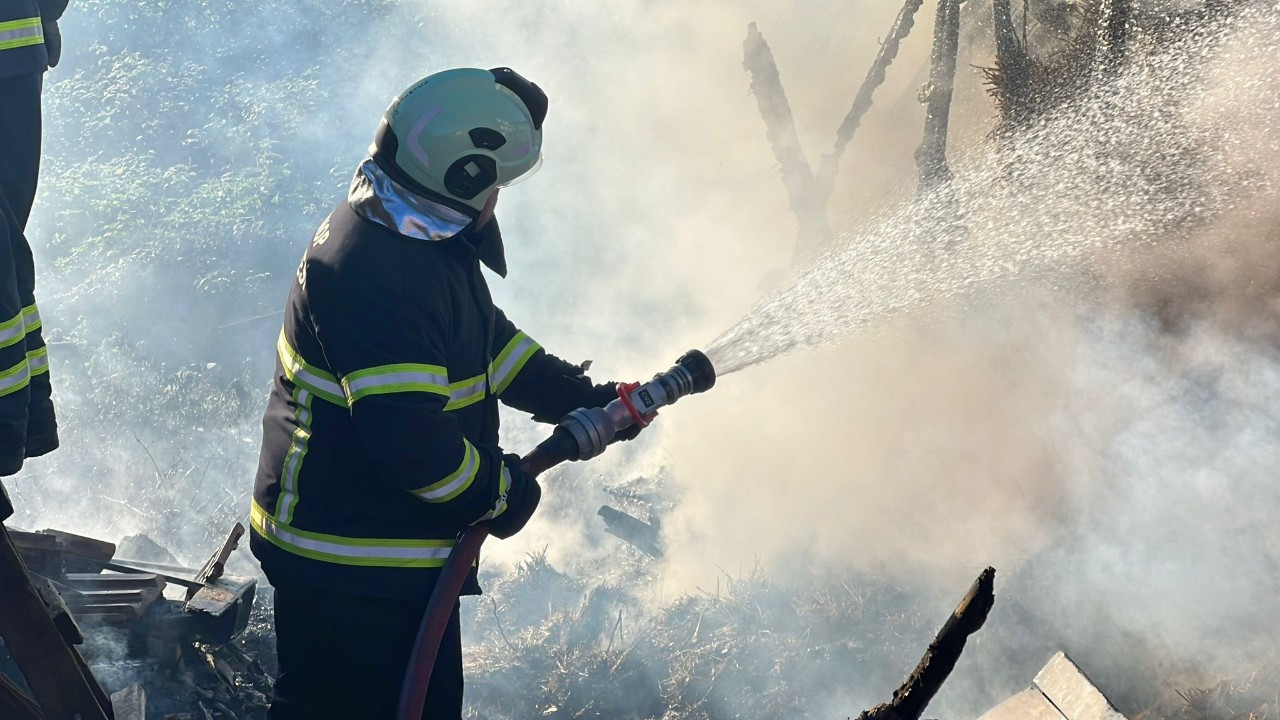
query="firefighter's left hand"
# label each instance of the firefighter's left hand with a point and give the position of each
(522, 499)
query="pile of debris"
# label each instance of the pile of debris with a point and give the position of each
(82, 625)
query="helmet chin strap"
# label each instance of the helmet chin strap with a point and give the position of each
(487, 213)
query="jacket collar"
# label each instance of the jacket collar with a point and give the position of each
(377, 198)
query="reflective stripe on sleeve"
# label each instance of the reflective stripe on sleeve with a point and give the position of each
(38, 359)
(511, 360)
(12, 330)
(457, 481)
(371, 552)
(31, 318)
(21, 33)
(320, 383)
(401, 377)
(15, 378)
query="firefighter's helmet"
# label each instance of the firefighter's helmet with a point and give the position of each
(462, 134)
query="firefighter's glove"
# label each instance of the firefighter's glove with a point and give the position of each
(522, 500)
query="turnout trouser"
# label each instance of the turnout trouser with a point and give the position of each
(344, 657)
(19, 145)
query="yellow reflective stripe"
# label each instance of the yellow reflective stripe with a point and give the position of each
(293, 458)
(21, 33)
(465, 392)
(511, 360)
(504, 486)
(15, 378)
(38, 359)
(12, 330)
(322, 384)
(400, 377)
(455, 482)
(370, 552)
(31, 318)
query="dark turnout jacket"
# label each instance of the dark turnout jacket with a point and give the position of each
(380, 440)
(29, 40)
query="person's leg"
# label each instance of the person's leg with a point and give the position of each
(20, 144)
(444, 694)
(345, 657)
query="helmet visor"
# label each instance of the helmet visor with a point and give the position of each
(537, 165)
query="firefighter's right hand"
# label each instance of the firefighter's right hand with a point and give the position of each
(522, 499)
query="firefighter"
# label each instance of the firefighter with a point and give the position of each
(29, 45)
(380, 440)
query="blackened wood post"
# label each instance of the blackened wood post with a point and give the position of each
(913, 696)
(902, 24)
(808, 206)
(931, 156)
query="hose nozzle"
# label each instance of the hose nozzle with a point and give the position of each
(586, 432)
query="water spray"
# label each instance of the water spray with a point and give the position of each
(580, 435)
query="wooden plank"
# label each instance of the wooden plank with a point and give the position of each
(1073, 692)
(130, 703)
(51, 668)
(1030, 704)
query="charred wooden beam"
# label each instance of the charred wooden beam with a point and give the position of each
(809, 207)
(902, 24)
(931, 156)
(913, 696)
(53, 669)
(631, 529)
(15, 704)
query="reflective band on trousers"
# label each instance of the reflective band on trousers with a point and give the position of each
(319, 382)
(456, 482)
(16, 377)
(12, 330)
(38, 359)
(21, 33)
(371, 552)
(31, 318)
(510, 361)
(400, 377)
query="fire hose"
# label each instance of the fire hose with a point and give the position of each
(580, 435)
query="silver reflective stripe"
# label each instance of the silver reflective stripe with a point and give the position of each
(465, 392)
(31, 317)
(38, 359)
(457, 481)
(293, 459)
(300, 373)
(20, 33)
(395, 378)
(375, 552)
(12, 330)
(15, 378)
(513, 357)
